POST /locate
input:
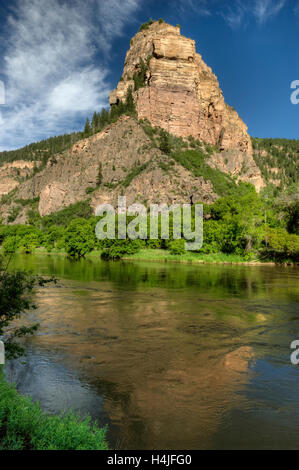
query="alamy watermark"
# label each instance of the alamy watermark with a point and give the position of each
(152, 223)
(2, 93)
(295, 354)
(295, 93)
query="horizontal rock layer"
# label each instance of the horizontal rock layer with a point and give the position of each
(181, 93)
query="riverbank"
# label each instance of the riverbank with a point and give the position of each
(164, 256)
(23, 426)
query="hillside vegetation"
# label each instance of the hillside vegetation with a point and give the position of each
(241, 222)
(278, 160)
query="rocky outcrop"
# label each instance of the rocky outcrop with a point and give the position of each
(181, 93)
(178, 92)
(12, 173)
(129, 166)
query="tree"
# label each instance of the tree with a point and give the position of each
(100, 175)
(164, 146)
(104, 118)
(87, 128)
(130, 105)
(120, 248)
(16, 291)
(95, 122)
(79, 238)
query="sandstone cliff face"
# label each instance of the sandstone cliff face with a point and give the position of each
(182, 94)
(11, 173)
(129, 166)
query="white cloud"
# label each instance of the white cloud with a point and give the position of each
(263, 10)
(52, 77)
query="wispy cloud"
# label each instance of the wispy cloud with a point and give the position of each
(263, 10)
(236, 12)
(201, 7)
(234, 15)
(51, 74)
(296, 9)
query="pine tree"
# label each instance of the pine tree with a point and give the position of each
(94, 123)
(130, 105)
(164, 146)
(104, 118)
(100, 175)
(87, 128)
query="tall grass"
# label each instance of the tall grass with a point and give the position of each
(23, 426)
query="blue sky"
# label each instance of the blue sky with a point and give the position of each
(59, 59)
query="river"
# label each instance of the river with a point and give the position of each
(169, 356)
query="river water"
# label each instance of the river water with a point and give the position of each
(169, 356)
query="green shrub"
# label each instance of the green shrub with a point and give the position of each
(13, 214)
(100, 175)
(120, 248)
(165, 145)
(177, 247)
(79, 238)
(29, 242)
(146, 25)
(89, 190)
(280, 245)
(63, 217)
(11, 244)
(54, 238)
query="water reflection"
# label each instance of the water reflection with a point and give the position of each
(177, 356)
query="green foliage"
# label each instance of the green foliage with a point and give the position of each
(11, 244)
(195, 162)
(87, 128)
(89, 190)
(79, 238)
(135, 171)
(193, 159)
(280, 153)
(177, 247)
(20, 237)
(139, 77)
(29, 242)
(16, 291)
(100, 175)
(281, 245)
(95, 123)
(54, 237)
(146, 25)
(165, 145)
(80, 209)
(42, 151)
(13, 214)
(130, 105)
(120, 248)
(23, 426)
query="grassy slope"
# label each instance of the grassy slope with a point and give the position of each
(23, 426)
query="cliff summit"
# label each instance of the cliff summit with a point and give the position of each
(180, 92)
